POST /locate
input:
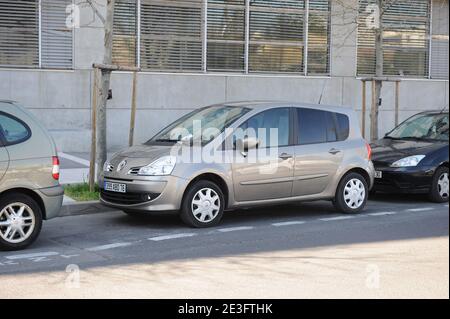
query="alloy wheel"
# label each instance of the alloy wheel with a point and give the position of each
(443, 185)
(17, 223)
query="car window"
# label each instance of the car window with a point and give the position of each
(271, 127)
(332, 135)
(423, 126)
(13, 130)
(312, 126)
(343, 126)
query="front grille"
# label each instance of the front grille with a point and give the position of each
(134, 171)
(127, 198)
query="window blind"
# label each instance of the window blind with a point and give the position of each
(125, 33)
(439, 40)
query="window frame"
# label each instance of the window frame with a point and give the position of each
(4, 142)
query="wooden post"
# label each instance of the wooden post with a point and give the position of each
(373, 113)
(133, 110)
(93, 133)
(363, 125)
(397, 101)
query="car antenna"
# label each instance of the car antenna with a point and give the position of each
(323, 90)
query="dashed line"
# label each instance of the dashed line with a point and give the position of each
(230, 229)
(424, 209)
(330, 219)
(288, 223)
(35, 255)
(174, 236)
(382, 214)
(109, 246)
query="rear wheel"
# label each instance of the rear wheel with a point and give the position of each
(20, 221)
(439, 192)
(351, 194)
(203, 205)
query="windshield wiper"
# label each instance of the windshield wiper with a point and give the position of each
(167, 140)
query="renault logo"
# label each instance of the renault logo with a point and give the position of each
(121, 165)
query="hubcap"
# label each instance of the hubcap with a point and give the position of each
(17, 223)
(443, 185)
(354, 193)
(205, 205)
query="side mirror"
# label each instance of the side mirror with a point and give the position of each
(248, 143)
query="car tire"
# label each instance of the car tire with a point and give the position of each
(27, 218)
(439, 192)
(351, 194)
(203, 205)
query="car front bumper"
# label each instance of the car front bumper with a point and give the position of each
(159, 193)
(414, 180)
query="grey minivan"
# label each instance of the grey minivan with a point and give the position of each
(243, 154)
(29, 174)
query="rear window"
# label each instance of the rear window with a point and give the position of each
(316, 126)
(13, 130)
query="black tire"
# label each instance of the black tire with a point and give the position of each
(435, 195)
(35, 210)
(340, 202)
(187, 213)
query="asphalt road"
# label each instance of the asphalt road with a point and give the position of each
(397, 248)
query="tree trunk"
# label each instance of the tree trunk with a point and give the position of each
(378, 73)
(104, 89)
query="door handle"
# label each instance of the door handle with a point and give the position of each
(285, 156)
(334, 151)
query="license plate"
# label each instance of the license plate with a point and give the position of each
(115, 187)
(378, 174)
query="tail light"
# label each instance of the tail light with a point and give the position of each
(55, 169)
(369, 151)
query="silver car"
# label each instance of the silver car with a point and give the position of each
(29, 173)
(243, 154)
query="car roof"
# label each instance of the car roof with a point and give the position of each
(268, 104)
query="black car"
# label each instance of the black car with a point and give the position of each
(413, 157)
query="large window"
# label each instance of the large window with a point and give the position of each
(33, 33)
(439, 40)
(270, 36)
(406, 29)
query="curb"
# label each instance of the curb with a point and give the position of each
(83, 208)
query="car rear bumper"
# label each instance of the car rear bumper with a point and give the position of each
(161, 193)
(52, 197)
(414, 180)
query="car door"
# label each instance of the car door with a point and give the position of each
(318, 154)
(266, 172)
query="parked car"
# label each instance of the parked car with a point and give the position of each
(413, 157)
(29, 173)
(317, 154)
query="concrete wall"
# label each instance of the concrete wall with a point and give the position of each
(62, 99)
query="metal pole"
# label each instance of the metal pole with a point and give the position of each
(306, 38)
(247, 35)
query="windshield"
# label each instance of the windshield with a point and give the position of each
(423, 126)
(201, 125)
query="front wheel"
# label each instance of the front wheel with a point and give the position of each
(203, 205)
(20, 221)
(439, 192)
(351, 194)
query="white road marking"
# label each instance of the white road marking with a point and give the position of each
(35, 255)
(330, 219)
(424, 209)
(288, 223)
(174, 236)
(109, 246)
(75, 159)
(230, 229)
(382, 213)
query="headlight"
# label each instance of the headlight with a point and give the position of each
(409, 161)
(162, 166)
(107, 167)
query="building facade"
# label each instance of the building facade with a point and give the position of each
(194, 53)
